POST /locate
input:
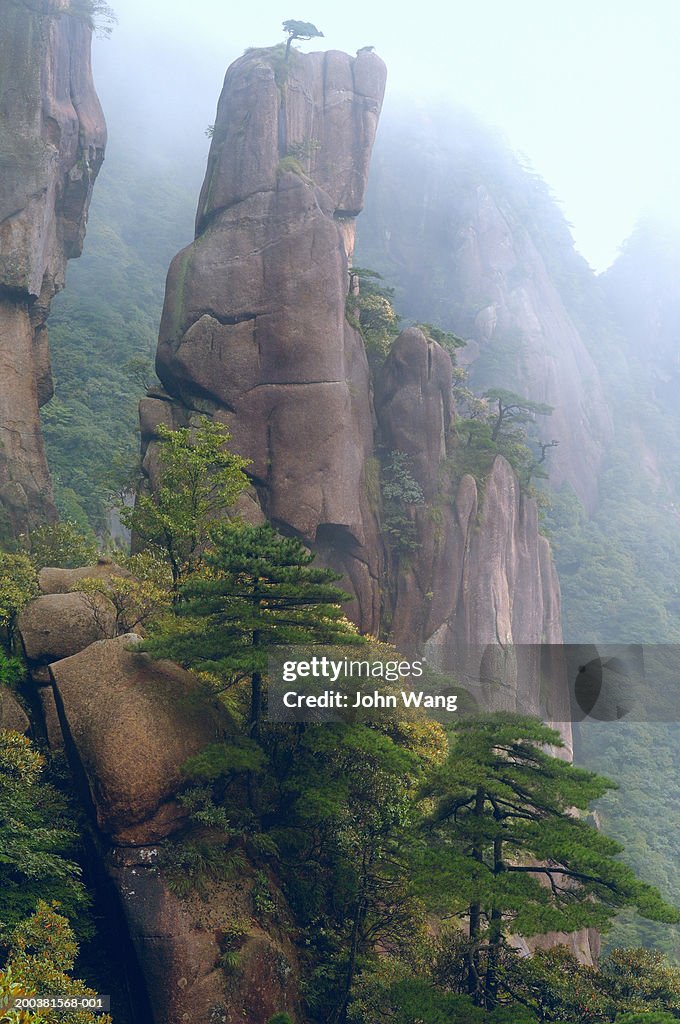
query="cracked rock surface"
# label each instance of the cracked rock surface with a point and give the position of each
(52, 138)
(254, 329)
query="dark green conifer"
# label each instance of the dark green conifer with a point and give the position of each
(505, 848)
(260, 591)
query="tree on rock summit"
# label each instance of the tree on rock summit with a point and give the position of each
(300, 30)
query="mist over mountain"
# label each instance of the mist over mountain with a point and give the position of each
(308, 330)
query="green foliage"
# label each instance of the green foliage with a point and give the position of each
(12, 671)
(42, 955)
(198, 481)
(18, 586)
(290, 164)
(259, 591)
(96, 13)
(344, 809)
(500, 798)
(400, 490)
(370, 309)
(511, 408)
(232, 939)
(280, 1018)
(300, 30)
(191, 865)
(646, 1018)
(559, 988)
(106, 321)
(264, 900)
(35, 837)
(136, 601)
(449, 341)
(62, 545)
(239, 754)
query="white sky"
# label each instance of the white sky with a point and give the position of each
(588, 90)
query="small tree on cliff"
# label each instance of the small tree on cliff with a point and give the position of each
(18, 586)
(300, 30)
(198, 481)
(260, 591)
(97, 14)
(511, 408)
(503, 848)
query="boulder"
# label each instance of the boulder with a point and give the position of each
(57, 626)
(179, 943)
(55, 736)
(61, 581)
(414, 404)
(12, 715)
(133, 723)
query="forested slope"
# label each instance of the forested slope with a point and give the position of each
(618, 567)
(104, 327)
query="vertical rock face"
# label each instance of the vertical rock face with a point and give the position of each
(479, 589)
(51, 148)
(254, 328)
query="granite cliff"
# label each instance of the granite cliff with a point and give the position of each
(51, 149)
(479, 589)
(254, 328)
(254, 332)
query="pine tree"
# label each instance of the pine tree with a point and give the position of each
(504, 846)
(260, 591)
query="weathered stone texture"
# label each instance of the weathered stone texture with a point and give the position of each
(52, 142)
(60, 581)
(57, 626)
(133, 723)
(479, 589)
(254, 328)
(179, 942)
(12, 715)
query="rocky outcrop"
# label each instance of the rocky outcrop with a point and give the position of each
(479, 588)
(52, 146)
(60, 581)
(57, 626)
(127, 725)
(254, 329)
(180, 945)
(133, 722)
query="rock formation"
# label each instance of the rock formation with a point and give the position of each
(127, 726)
(254, 328)
(52, 146)
(12, 715)
(254, 333)
(479, 589)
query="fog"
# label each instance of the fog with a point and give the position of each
(587, 93)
